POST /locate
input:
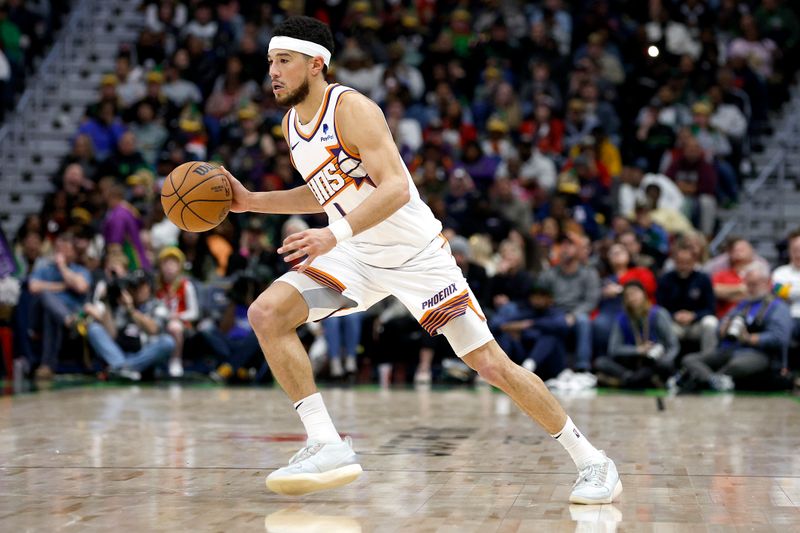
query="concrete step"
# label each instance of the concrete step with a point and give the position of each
(11, 200)
(10, 222)
(34, 188)
(21, 208)
(29, 165)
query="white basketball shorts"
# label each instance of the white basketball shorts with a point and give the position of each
(430, 285)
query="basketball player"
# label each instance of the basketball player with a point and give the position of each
(381, 240)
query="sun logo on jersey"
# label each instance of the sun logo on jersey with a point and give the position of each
(350, 167)
(336, 173)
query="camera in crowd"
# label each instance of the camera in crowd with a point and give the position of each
(736, 328)
(117, 284)
(656, 351)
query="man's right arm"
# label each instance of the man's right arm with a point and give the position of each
(297, 201)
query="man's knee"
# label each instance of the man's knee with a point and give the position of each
(747, 363)
(260, 313)
(709, 323)
(692, 360)
(175, 328)
(272, 315)
(490, 361)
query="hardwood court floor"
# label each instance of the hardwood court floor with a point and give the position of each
(144, 458)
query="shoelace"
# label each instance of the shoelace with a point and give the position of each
(594, 474)
(305, 453)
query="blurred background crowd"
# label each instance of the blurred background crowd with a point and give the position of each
(577, 152)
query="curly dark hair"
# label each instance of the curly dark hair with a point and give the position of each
(308, 29)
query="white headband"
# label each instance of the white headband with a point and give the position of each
(299, 45)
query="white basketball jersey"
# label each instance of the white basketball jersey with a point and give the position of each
(340, 183)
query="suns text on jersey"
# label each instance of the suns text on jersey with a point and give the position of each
(326, 183)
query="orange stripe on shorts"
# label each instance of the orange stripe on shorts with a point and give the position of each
(323, 278)
(456, 306)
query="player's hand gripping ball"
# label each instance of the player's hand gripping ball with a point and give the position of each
(196, 196)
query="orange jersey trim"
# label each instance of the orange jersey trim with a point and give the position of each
(349, 151)
(325, 101)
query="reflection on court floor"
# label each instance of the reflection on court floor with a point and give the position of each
(461, 460)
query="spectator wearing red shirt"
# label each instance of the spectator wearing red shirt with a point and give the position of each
(729, 287)
(543, 126)
(177, 292)
(621, 272)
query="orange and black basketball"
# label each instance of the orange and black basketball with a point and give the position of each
(196, 196)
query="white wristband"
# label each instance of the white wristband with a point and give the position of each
(341, 229)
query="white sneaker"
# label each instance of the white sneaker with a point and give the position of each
(583, 380)
(597, 483)
(175, 368)
(350, 365)
(561, 381)
(529, 365)
(722, 383)
(336, 368)
(565, 375)
(318, 466)
(132, 375)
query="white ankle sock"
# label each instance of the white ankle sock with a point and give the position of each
(316, 419)
(577, 445)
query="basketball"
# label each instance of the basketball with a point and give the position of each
(196, 196)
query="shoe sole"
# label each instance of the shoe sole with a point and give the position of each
(588, 501)
(298, 484)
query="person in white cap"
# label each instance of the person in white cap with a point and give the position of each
(381, 240)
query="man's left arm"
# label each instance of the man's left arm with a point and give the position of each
(363, 129)
(777, 331)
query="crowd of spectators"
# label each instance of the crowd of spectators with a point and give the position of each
(576, 152)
